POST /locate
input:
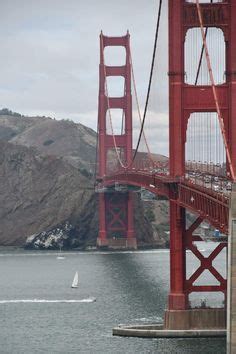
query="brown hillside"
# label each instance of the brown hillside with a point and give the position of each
(46, 171)
(37, 192)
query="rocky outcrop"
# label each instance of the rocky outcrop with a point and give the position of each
(63, 236)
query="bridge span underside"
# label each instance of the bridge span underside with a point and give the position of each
(204, 202)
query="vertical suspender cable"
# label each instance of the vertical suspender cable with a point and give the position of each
(220, 118)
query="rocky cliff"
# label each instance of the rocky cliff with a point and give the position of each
(37, 192)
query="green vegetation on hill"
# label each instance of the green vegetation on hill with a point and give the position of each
(8, 112)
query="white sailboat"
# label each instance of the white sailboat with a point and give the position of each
(75, 281)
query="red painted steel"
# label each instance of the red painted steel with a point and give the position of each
(177, 295)
(154, 183)
(115, 210)
(231, 79)
(185, 99)
(211, 206)
(116, 215)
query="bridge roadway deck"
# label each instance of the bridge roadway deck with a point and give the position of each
(210, 205)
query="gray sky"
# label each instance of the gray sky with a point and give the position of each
(50, 53)
(50, 56)
(50, 50)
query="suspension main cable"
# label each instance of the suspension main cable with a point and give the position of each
(201, 56)
(139, 111)
(220, 118)
(150, 79)
(200, 61)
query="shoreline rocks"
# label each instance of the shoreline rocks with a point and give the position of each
(61, 237)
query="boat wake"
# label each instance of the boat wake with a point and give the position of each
(152, 319)
(17, 301)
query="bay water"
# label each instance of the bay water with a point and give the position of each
(41, 313)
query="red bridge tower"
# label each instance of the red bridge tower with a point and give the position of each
(186, 99)
(116, 229)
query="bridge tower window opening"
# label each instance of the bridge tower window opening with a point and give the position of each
(116, 86)
(114, 56)
(112, 162)
(204, 148)
(196, 71)
(115, 121)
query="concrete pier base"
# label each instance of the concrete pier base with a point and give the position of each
(102, 243)
(180, 324)
(207, 318)
(158, 331)
(118, 243)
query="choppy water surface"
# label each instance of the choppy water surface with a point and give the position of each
(41, 313)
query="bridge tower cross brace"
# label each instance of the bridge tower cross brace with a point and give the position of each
(185, 99)
(116, 224)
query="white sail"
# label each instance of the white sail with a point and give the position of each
(75, 281)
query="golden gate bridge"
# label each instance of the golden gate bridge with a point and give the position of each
(201, 168)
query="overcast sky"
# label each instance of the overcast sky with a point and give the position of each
(50, 53)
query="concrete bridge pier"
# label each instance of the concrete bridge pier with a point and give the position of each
(195, 319)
